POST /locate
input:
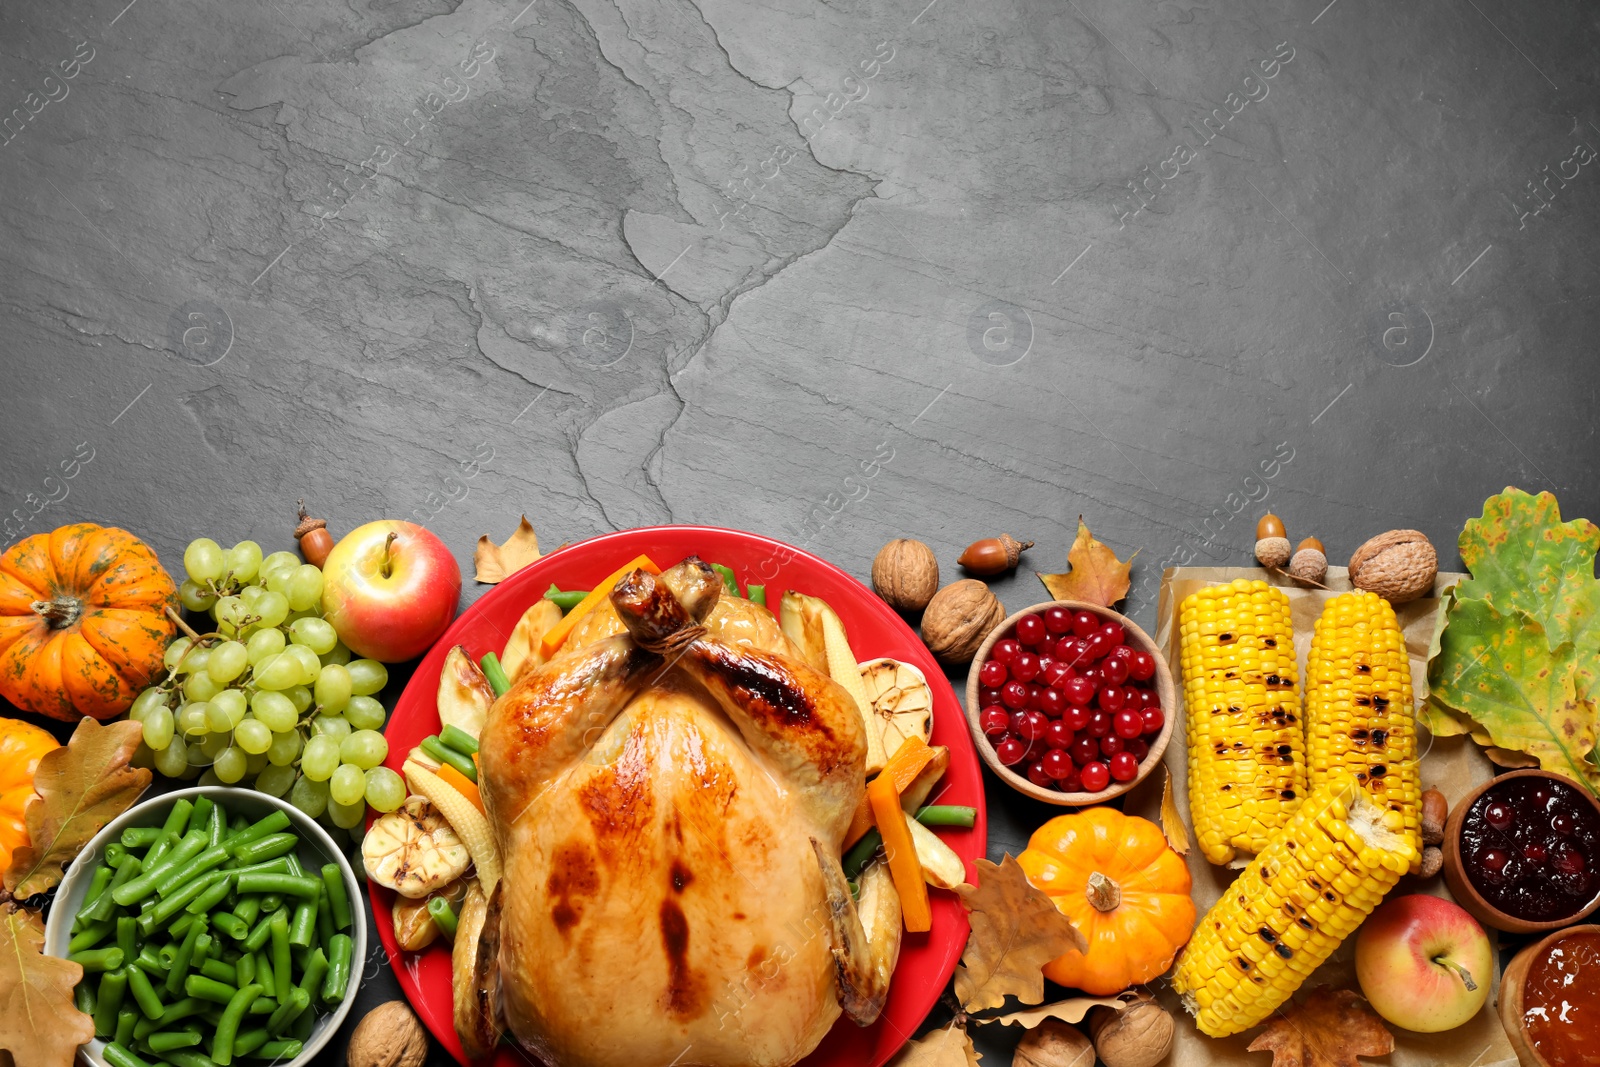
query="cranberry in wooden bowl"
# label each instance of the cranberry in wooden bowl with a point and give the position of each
(1070, 703)
(1522, 852)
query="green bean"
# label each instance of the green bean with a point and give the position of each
(262, 931)
(313, 970)
(338, 896)
(947, 815)
(248, 908)
(293, 863)
(459, 739)
(119, 1056)
(217, 828)
(271, 902)
(304, 887)
(200, 987)
(167, 1040)
(91, 935)
(147, 961)
(246, 968)
(184, 960)
(178, 817)
(495, 675)
(160, 849)
(83, 997)
(127, 1019)
(128, 936)
(144, 994)
(264, 848)
(132, 892)
(220, 972)
(729, 582)
(202, 947)
(250, 1040)
(205, 902)
(274, 823)
(856, 860)
(97, 888)
(97, 959)
(266, 977)
(102, 907)
(181, 1009)
(238, 825)
(114, 855)
(444, 916)
(194, 868)
(280, 1050)
(289, 1009)
(180, 926)
(167, 954)
(264, 1005)
(201, 815)
(567, 599)
(756, 594)
(230, 924)
(183, 897)
(184, 1057)
(325, 928)
(334, 985)
(277, 866)
(281, 940)
(228, 1028)
(140, 836)
(108, 1002)
(304, 927)
(438, 750)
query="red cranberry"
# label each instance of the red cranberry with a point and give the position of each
(1077, 717)
(1499, 815)
(987, 696)
(1071, 783)
(1039, 776)
(1114, 632)
(1085, 623)
(1099, 645)
(1010, 750)
(1030, 630)
(1094, 676)
(1058, 734)
(994, 722)
(1535, 853)
(1114, 670)
(1562, 823)
(1036, 696)
(1085, 750)
(1569, 860)
(1067, 650)
(1095, 777)
(1138, 747)
(1111, 698)
(1153, 719)
(1494, 861)
(1111, 744)
(1099, 724)
(993, 674)
(1030, 726)
(1127, 724)
(1057, 764)
(1057, 620)
(1056, 674)
(1141, 665)
(1124, 768)
(1006, 650)
(1025, 668)
(1014, 695)
(1078, 690)
(1052, 702)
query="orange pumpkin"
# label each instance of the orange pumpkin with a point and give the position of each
(1125, 890)
(82, 622)
(21, 745)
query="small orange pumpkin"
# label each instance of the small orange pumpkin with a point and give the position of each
(82, 621)
(21, 745)
(1127, 892)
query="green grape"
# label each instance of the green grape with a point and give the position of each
(253, 736)
(333, 688)
(199, 686)
(255, 763)
(174, 759)
(275, 780)
(228, 661)
(300, 697)
(218, 720)
(346, 816)
(193, 660)
(285, 748)
(278, 672)
(228, 765)
(363, 713)
(348, 784)
(296, 616)
(191, 721)
(386, 790)
(158, 728)
(209, 778)
(174, 653)
(243, 560)
(275, 710)
(367, 676)
(315, 633)
(364, 748)
(203, 560)
(305, 588)
(278, 581)
(147, 701)
(320, 758)
(214, 744)
(331, 726)
(268, 641)
(197, 755)
(273, 607)
(310, 665)
(309, 796)
(277, 561)
(341, 655)
(142, 757)
(196, 597)
(231, 701)
(250, 596)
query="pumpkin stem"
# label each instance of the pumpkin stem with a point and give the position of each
(1103, 893)
(185, 627)
(59, 612)
(388, 561)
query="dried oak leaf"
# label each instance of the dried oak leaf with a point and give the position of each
(40, 1026)
(496, 563)
(948, 1046)
(1329, 1029)
(1097, 575)
(1172, 820)
(78, 789)
(1072, 1010)
(1016, 930)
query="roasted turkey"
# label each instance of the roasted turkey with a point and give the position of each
(669, 796)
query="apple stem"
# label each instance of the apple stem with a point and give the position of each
(1466, 975)
(388, 562)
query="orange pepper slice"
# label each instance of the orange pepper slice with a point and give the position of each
(904, 867)
(557, 634)
(462, 784)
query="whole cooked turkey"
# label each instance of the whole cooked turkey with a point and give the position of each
(669, 795)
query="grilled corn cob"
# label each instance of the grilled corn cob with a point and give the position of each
(1359, 718)
(1247, 771)
(1306, 892)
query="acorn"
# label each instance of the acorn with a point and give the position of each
(315, 540)
(1309, 563)
(993, 555)
(1272, 542)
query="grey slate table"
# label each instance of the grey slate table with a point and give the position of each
(1162, 264)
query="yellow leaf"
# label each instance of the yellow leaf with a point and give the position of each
(1330, 1029)
(948, 1046)
(1172, 821)
(1096, 577)
(78, 788)
(1505, 757)
(1016, 930)
(1071, 1010)
(40, 1026)
(496, 563)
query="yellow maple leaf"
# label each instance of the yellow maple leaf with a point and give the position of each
(1097, 575)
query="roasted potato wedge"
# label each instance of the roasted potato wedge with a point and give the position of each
(465, 695)
(879, 908)
(522, 652)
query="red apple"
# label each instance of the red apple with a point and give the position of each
(1424, 963)
(390, 588)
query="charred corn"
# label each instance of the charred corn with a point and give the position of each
(1321, 875)
(1359, 717)
(1247, 771)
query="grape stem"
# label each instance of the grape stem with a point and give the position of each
(185, 627)
(388, 545)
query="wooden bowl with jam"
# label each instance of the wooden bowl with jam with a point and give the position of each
(1550, 999)
(1522, 852)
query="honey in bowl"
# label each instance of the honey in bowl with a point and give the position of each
(1531, 848)
(1561, 1002)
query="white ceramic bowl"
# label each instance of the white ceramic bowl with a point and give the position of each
(316, 850)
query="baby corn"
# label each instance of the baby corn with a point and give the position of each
(1359, 716)
(467, 821)
(1307, 891)
(1247, 771)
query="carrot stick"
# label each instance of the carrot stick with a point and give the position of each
(554, 636)
(903, 767)
(904, 867)
(461, 784)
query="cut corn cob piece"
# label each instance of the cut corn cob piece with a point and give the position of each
(1359, 715)
(1247, 771)
(467, 821)
(1307, 891)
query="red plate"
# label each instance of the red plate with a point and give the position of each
(926, 960)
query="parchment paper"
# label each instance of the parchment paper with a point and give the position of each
(1453, 765)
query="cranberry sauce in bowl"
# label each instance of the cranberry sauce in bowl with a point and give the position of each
(1530, 846)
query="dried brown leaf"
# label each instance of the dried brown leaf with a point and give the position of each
(40, 1026)
(1016, 930)
(496, 563)
(1504, 757)
(1329, 1029)
(1172, 820)
(948, 1046)
(1097, 575)
(78, 789)
(1071, 1010)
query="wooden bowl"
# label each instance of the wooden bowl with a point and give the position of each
(1136, 638)
(1467, 894)
(1511, 994)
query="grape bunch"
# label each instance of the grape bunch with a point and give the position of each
(271, 695)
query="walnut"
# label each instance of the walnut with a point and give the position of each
(1398, 565)
(905, 573)
(388, 1036)
(1053, 1044)
(958, 619)
(1139, 1035)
